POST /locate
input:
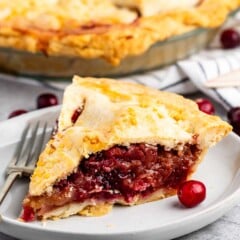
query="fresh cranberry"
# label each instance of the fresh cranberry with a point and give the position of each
(46, 100)
(234, 119)
(236, 127)
(205, 105)
(191, 193)
(17, 113)
(230, 38)
(234, 115)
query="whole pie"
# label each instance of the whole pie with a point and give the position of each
(118, 143)
(109, 29)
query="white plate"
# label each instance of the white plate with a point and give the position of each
(164, 219)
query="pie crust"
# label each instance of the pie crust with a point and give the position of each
(100, 29)
(110, 127)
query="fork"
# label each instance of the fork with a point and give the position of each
(25, 156)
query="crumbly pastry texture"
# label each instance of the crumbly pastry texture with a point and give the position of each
(116, 113)
(102, 29)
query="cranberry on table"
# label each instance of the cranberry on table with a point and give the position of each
(46, 100)
(234, 119)
(230, 38)
(191, 193)
(234, 115)
(205, 105)
(17, 113)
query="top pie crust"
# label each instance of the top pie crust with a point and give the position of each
(152, 7)
(120, 113)
(100, 29)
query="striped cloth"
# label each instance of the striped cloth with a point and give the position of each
(204, 67)
(192, 74)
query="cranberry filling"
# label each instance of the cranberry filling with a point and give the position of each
(28, 214)
(76, 114)
(121, 173)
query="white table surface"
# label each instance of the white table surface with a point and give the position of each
(15, 95)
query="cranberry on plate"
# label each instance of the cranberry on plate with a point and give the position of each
(205, 105)
(191, 193)
(46, 100)
(230, 38)
(17, 113)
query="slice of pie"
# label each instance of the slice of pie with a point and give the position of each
(118, 143)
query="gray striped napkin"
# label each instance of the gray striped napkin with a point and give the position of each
(206, 66)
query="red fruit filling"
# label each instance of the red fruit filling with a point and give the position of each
(28, 214)
(205, 105)
(76, 114)
(121, 174)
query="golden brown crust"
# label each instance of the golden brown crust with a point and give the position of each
(108, 38)
(119, 113)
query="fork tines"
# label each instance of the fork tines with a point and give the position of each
(28, 149)
(26, 155)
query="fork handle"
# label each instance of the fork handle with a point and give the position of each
(7, 185)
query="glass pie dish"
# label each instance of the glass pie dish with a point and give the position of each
(158, 55)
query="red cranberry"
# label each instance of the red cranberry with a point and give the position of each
(191, 193)
(205, 105)
(17, 113)
(236, 127)
(46, 100)
(234, 119)
(234, 115)
(230, 38)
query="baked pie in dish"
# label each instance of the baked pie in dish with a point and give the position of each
(99, 33)
(118, 143)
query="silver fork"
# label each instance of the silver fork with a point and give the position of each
(25, 156)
